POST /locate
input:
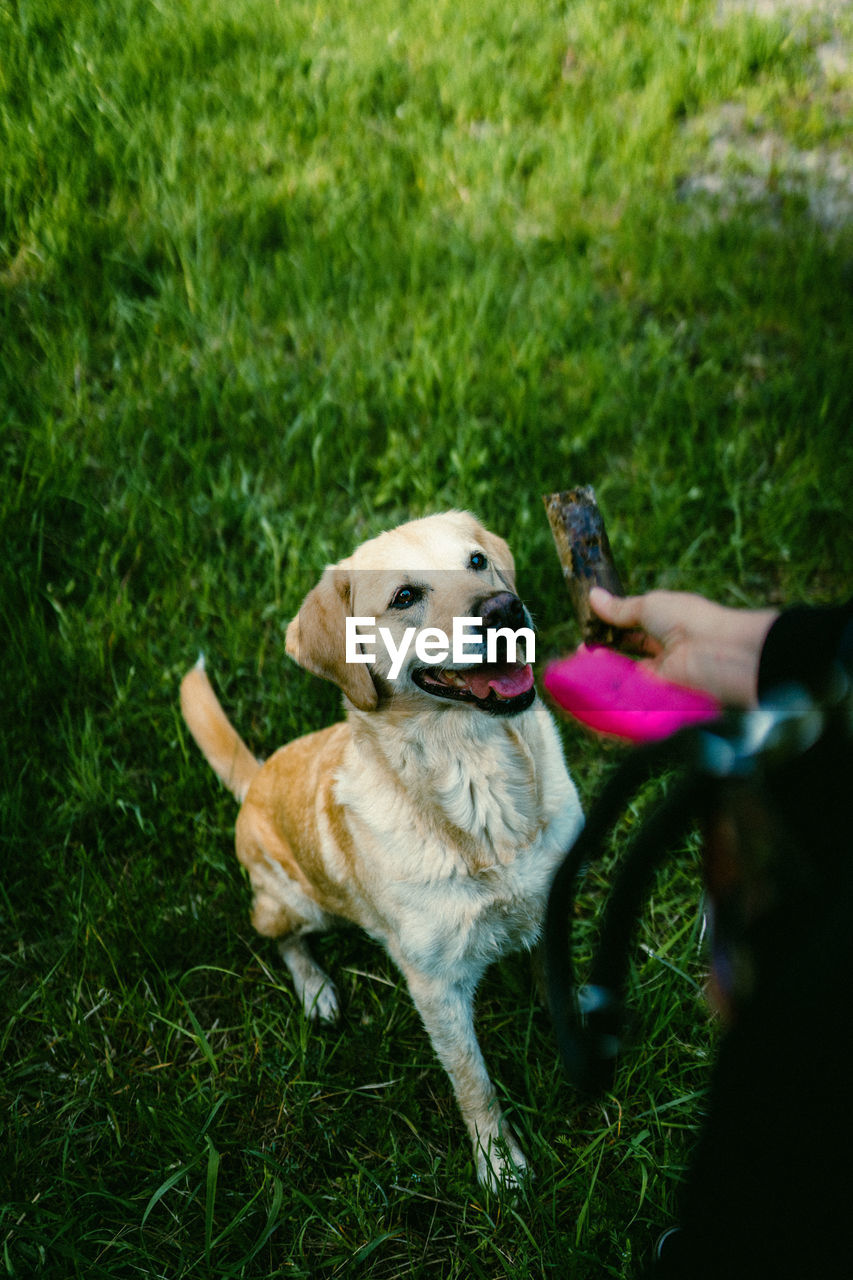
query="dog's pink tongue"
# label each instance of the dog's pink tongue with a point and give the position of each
(509, 680)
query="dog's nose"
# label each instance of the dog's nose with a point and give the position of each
(502, 610)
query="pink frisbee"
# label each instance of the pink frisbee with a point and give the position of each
(612, 694)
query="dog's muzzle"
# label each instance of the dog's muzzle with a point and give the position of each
(501, 688)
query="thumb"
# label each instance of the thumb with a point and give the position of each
(620, 611)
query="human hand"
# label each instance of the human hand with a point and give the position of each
(692, 641)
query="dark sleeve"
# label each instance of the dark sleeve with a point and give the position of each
(803, 645)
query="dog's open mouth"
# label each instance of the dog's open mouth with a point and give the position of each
(501, 688)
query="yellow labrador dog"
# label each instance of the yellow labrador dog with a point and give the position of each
(435, 814)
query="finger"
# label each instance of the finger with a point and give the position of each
(641, 643)
(620, 611)
(624, 612)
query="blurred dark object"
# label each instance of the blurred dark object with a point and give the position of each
(770, 1185)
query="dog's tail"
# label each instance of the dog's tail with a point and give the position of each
(221, 744)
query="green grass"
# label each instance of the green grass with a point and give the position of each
(273, 277)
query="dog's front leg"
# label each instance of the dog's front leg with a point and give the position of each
(447, 1012)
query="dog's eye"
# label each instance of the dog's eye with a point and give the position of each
(405, 597)
(478, 562)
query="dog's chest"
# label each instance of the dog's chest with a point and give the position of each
(468, 920)
(475, 841)
(446, 913)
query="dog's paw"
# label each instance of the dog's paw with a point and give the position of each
(315, 989)
(321, 1003)
(502, 1165)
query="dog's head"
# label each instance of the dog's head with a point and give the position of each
(400, 599)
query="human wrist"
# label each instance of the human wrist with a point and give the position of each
(738, 657)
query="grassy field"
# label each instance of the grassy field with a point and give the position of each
(274, 276)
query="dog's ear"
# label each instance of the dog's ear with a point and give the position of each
(500, 555)
(316, 639)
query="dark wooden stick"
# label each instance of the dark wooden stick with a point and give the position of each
(585, 556)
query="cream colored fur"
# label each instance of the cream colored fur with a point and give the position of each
(431, 824)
